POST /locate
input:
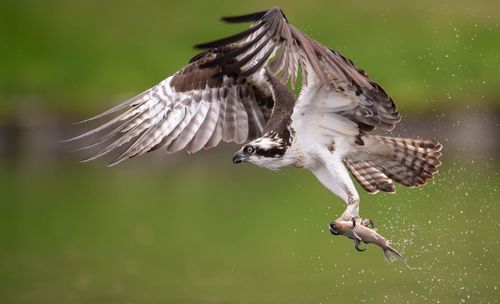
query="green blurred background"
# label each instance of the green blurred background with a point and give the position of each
(197, 229)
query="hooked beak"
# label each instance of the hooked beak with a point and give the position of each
(239, 157)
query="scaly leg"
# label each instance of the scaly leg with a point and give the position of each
(334, 177)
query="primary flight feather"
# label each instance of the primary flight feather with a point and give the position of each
(239, 89)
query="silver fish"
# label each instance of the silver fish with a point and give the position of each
(360, 230)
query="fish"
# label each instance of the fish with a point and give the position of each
(362, 230)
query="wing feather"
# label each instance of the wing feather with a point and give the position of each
(221, 95)
(206, 129)
(191, 109)
(230, 117)
(146, 138)
(287, 50)
(167, 141)
(190, 131)
(241, 123)
(219, 128)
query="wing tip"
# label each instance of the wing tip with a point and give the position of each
(89, 159)
(63, 141)
(201, 46)
(230, 39)
(116, 162)
(247, 17)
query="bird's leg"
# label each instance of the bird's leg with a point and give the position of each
(352, 212)
(352, 209)
(335, 177)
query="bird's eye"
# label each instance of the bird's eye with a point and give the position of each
(249, 150)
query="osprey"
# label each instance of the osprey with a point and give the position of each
(241, 89)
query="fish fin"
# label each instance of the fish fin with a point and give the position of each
(356, 236)
(391, 254)
(357, 242)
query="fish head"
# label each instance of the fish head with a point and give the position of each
(340, 227)
(333, 228)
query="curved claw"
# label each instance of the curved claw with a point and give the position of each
(368, 223)
(357, 242)
(359, 249)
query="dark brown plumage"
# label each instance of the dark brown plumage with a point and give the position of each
(192, 109)
(271, 33)
(241, 89)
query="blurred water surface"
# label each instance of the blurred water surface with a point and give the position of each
(242, 235)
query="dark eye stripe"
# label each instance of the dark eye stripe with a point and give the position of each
(273, 152)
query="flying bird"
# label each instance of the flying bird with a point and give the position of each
(241, 89)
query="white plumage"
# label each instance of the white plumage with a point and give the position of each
(238, 91)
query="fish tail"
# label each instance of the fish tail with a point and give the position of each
(391, 254)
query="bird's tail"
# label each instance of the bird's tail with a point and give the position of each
(380, 160)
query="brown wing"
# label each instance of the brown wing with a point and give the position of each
(189, 110)
(272, 41)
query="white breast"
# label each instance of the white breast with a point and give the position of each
(320, 132)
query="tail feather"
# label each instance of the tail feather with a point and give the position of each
(405, 175)
(369, 176)
(381, 160)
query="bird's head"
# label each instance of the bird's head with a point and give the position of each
(267, 151)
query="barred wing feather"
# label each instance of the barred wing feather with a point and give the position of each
(273, 42)
(190, 110)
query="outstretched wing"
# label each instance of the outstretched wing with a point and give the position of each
(190, 110)
(272, 41)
